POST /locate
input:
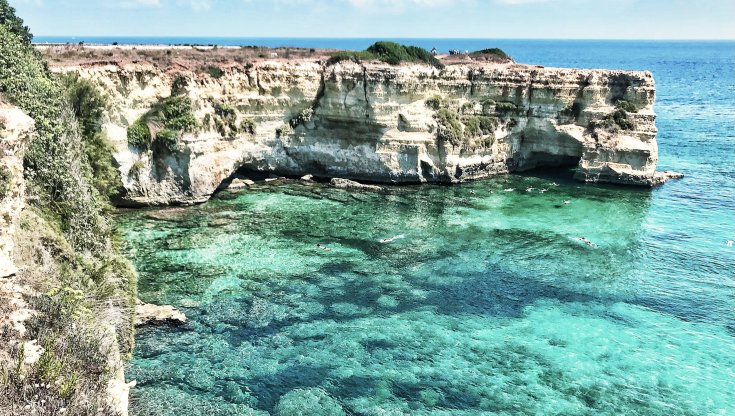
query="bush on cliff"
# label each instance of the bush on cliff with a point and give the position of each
(89, 106)
(139, 135)
(5, 178)
(495, 52)
(64, 244)
(450, 128)
(388, 52)
(172, 116)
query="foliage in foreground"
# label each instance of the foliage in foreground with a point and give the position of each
(65, 243)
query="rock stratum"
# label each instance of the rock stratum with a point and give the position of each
(374, 122)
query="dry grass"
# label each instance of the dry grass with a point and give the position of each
(166, 57)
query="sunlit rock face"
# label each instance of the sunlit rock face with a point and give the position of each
(380, 123)
(15, 132)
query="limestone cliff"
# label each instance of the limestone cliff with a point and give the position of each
(379, 123)
(15, 130)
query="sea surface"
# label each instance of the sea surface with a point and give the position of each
(483, 301)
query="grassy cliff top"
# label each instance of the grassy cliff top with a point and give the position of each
(201, 57)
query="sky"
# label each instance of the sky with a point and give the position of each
(538, 19)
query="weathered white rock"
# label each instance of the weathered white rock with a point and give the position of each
(148, 314)
(15, 132)
(371, 122)
(240, 183)
(348, 184)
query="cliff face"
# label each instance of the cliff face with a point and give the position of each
(380, 123)
(15, 131)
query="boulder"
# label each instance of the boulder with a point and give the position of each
(148, 314)
(348, 184)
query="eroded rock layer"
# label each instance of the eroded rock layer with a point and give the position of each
(378, 123)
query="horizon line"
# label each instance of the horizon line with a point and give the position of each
(374, 37)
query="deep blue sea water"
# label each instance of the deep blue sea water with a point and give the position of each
(487, 304)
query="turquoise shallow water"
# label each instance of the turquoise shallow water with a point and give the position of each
(487, 304)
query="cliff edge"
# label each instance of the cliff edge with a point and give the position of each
(180, 130)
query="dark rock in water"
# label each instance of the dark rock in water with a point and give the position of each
(168, 214)
(348, 184)
(148, 314)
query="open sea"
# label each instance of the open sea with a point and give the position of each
(484, 302)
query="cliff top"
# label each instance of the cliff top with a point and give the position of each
(194, 57)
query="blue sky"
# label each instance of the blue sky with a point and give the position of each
(586, 19)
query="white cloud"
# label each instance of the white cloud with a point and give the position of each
(197, 5)
(520, 2)
(140, 3)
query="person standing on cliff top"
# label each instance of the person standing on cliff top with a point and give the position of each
(433, 51)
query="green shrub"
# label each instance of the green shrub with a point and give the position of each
(618, 119)
(136, 169)
(495, 52)
(434, 102)
(480, 125)
(13, 23)
(5, 181)
(388, 52)
(139, 135)
(174, 115)
(302, 118)
(351, 56)
(89, 107)
(179, 85)
(626, 106)
(248, 126)
(467, 108)
(283, 130)
(450, 128)
(213, 71)
(225, 111)
(504, 107)
(168, 140)
(67, 240)
(57, 169)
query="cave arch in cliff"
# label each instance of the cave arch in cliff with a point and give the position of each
(548, 148)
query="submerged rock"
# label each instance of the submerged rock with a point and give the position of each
(348, 184)
(148, 314)
(241, 183)
(665, 176)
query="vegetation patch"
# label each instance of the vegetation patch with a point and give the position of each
(626, 106)
(434, 103)
(450, 128)
(494, 52)
(64, 241)
(213, 71)
(617, 120)
(5, 182)
(89, 106)
(388, 52)
(169, 119)
(505, 107)
(302, 118)
(178, 87)
(248, 126)
(476, 126)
